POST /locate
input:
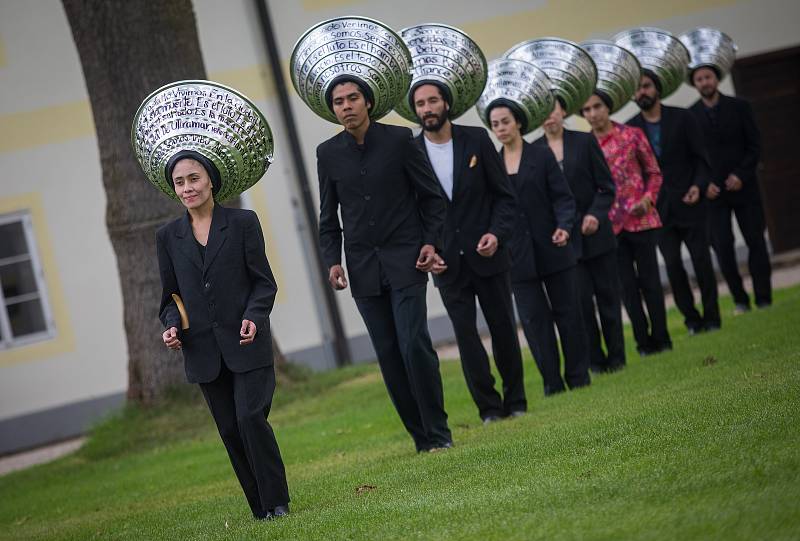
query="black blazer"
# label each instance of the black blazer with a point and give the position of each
(593, 187)
(683, 163)
(483, 202)
(391, 205)
(734, 146)
(233, 282)
(544, 203)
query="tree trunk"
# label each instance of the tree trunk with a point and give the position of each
(128, 49)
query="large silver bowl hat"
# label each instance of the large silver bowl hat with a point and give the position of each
(571, 70)
(618, 71)
(351, 47)
(709, 47)
(210, 118)
(447, 57)
(522, 86)
(659, 52)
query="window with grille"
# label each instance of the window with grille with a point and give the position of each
(25, 315)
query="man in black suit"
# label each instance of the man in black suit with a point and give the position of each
(480, 216)
(213, 258)
(589, 178)
(675, 137)
(543, 263)
(733, 142)
(392, 216)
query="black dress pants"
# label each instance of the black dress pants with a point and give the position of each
(750, 217)
(696, 240)
(538, 310)
(240, 404)
(494, 295)
(599, 281)
(397, 322)
(639, 277)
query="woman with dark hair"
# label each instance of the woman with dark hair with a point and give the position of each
(543, 270)
(634, 219)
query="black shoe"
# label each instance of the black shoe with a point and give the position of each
(489, 419)
(517, 413)
(695, 330)
(711, 327)
(264, 515)
(740, 308)
(660, 348)
(615, 367)
(441, 447)
(763, 304)
(280, 511)
(598, 368)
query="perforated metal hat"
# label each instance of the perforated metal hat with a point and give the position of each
(571, 70)
(354, 48)
(618, 71)
(210, 118)
(521, 86)
(447, 57)
(658, 52)
(709, 47)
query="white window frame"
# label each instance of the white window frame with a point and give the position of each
(7, 341)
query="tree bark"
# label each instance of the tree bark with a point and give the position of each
(128, 49)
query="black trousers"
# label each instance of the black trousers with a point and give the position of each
(240, 404)
(752, 224)
(494, 295)
(598, 281)
(397, 323)
(695, 238)
(639, 277)
(539, 309)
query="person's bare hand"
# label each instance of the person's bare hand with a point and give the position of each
(170, 338)
(487, 245)
(733, 183)
(426, 258)
(560, 237)
(692, 196)
(337, 278)
(439, 266)
(248, 332)
(642, 207)
(712, 192)
(589, 225)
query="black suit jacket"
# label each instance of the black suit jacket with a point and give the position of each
(391, 205)
(233, 282)
(483, 202)
(544, 203)
(683, 163)
(590, 181)
(734, 146)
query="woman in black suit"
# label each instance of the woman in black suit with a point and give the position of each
(589, 178)
(543, 269)
(213, 258)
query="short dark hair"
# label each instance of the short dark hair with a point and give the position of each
(650, 74)
(208, 165)
(364, 88)
(444, 92)
(715, 69)
(605, 98)
(511, 106)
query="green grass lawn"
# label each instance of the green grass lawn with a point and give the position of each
(700, 443)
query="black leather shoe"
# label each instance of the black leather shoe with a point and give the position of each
(280, 511)
(265, 515)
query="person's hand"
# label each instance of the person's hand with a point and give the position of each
(248, 332)
(337, 278)
(589, 225)
(642, 207)
(426, 258)
(560, 237)
(692, 196)
(733, 183)
(170, 338)
(487, 246)
(712, 192)
(439, 266)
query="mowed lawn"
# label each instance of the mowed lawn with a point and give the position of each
(700, 443)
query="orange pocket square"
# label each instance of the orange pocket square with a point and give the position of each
(473, 161)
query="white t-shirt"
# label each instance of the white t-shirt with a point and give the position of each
(441, 156)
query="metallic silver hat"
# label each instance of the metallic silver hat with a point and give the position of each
(207, 117)
(355, 47)
(520, 84)
(618, 71)
(570, 69)
(448, 57)
(659, 52)
(709, 47)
